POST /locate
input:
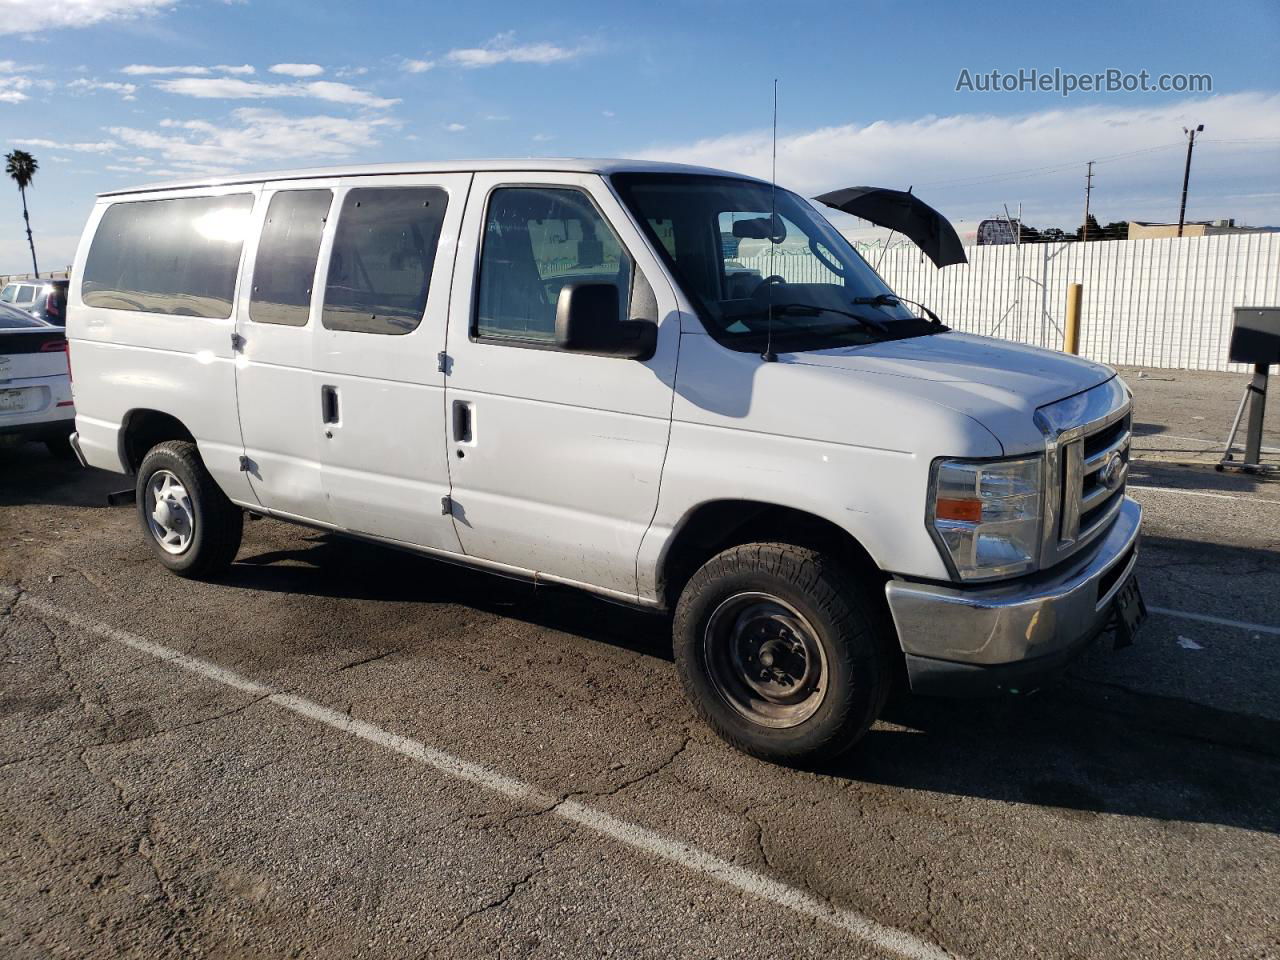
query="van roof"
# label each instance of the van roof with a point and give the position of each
(517, 164)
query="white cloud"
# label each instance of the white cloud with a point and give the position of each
(105, 146)
(608, 114)
(12, 66)
(417, 66)
(255, 136)
(297, 69)
(542, 137)
(126, 90)
(967, 165)
(34, 16)
(149, 70)
(455, 127)
(12, 87)
(232, 88)
(504, 49)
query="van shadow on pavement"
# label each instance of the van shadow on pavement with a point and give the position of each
(1080, 750)
(325, 565)
(1076, 747)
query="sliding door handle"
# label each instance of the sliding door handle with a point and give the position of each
(463, 422)
(329, 404)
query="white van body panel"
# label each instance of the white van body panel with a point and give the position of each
(125, 360)
(853, 450)
(998, 383)
(276, 391)
(563, 468)
(385, 462)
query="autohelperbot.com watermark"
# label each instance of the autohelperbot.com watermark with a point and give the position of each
(1065, 82)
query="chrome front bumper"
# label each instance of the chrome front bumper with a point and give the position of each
(963, 641)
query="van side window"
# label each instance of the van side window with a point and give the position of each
(383, 254)
(536, 240)
(286, 262)
(177, 257)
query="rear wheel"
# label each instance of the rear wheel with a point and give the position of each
(784, 651)
(192, 527)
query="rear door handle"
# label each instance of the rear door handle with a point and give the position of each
(329, 404)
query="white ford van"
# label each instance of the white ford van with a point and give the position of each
(666, 385)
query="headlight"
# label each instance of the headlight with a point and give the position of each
(986, 515)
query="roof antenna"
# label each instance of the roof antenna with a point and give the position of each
(769, 356)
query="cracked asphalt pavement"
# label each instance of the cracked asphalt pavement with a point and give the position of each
(148, 809)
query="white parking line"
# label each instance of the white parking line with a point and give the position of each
(1202, 493)
(1220, 621)
(693, 859)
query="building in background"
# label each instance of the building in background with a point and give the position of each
(1141, 230)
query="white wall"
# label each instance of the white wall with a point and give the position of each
(1147, 303)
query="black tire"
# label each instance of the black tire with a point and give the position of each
(847, 615)
(59, 445)
(217, 525)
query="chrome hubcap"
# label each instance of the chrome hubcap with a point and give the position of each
(764, 658)
(170, 516)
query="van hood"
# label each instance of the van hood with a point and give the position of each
(998, 383)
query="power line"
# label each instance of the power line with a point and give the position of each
(1247, 140)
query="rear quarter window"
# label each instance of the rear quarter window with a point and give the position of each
(176, 257)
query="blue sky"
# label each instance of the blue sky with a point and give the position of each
(867, 95)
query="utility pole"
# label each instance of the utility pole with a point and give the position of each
(1186, 173)
(1088, 189)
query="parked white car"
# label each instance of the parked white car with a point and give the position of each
(35, 387)
(551, 369)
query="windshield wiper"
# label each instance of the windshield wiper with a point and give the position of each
(892, 300)
(812, 310)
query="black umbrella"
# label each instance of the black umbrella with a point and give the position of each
(907, 214)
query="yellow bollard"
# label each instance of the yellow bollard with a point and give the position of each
(1075, 297)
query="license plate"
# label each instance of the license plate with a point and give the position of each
(1130, 612)
(11, 400)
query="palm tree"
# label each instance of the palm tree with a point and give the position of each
(22, 167)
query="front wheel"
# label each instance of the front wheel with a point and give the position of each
(192, 527)
(784, 652)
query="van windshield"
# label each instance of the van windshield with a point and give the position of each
(738, 263)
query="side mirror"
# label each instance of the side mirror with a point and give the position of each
(587, 322)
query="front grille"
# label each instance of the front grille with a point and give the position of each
(1095, 469)
(1099, 440)
(1088, 438)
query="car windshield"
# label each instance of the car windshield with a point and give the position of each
(740, 263)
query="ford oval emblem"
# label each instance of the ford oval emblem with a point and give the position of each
(1111, 471)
